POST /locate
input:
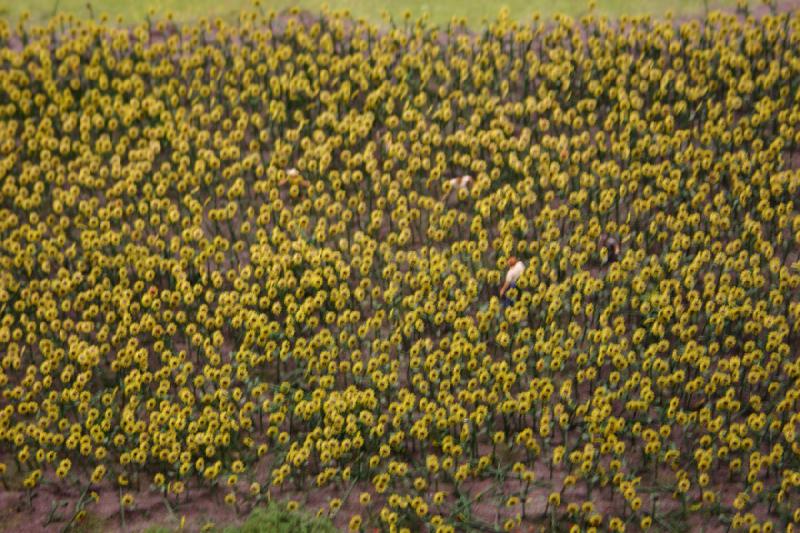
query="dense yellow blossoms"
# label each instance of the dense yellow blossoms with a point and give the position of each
(233, 255)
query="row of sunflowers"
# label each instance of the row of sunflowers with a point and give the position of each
(245, 257)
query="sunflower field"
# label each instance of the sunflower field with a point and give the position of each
(236, 260)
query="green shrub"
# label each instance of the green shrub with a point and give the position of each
(276, 518)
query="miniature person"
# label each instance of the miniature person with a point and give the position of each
(611, 245)
(293, 177)
(458, 183)
(515, 270)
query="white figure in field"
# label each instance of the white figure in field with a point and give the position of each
(293, 177)
(515, 270)
(458, 183)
